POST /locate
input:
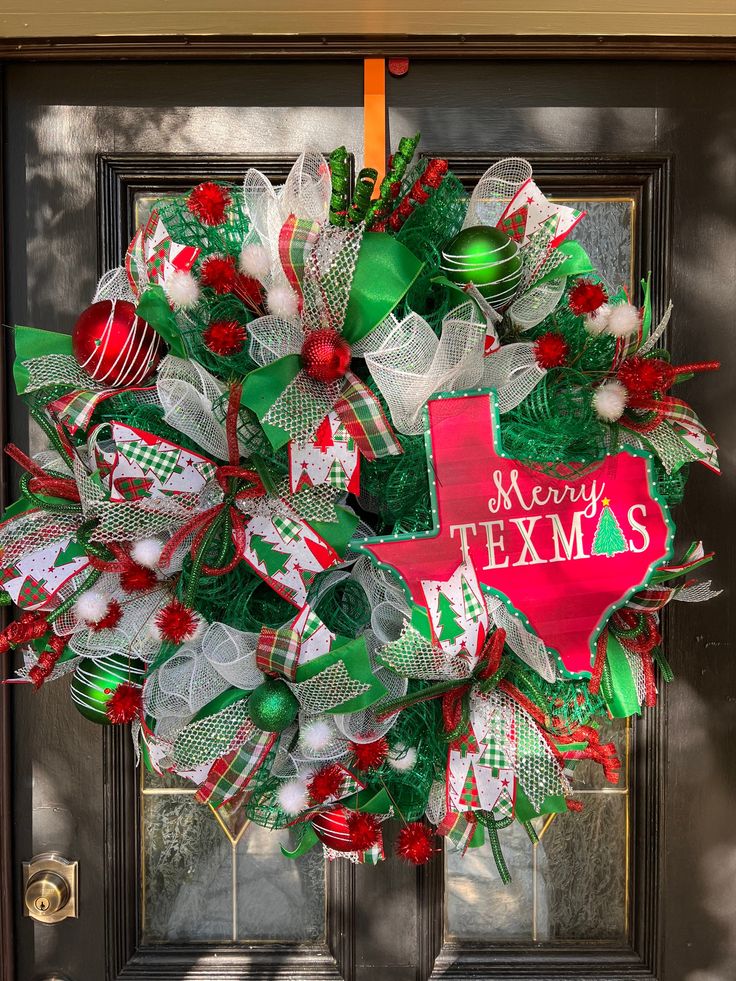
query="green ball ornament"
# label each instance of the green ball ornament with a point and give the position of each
(95, 681)
(272, 706)
(486, 257)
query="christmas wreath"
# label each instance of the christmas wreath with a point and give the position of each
(355, 502)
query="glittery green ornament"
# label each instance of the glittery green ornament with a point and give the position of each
(95, 681)
(272, 706)
(486, 257)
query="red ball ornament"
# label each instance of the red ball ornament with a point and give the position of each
(551, 350)
(331, 827)
(225, 337)
(208, 202)
(176, 622)
(586, 297)
(115, 346)
(325, 355)
(369, 756)
(415, 843)
(326, 783)
(125, 704)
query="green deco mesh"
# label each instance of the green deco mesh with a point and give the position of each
(194, 324)
(344, 608)
(186, 229)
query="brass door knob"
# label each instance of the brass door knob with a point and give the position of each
(50, 888)
(46, 893)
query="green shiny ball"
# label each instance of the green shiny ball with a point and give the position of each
(95, 681)
(272, 706)
(486, 257)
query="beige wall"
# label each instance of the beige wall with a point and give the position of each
(69, 18)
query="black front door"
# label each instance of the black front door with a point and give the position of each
(636, 886)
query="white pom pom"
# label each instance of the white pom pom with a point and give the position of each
(147, 552)
(623, 320)
(609, 401)
(316, 734)
(282, 302)
(153, 631)
(596, 322)
(182, 289)
(254, 262)
(402, 757)
(92, 606)
(293, 796)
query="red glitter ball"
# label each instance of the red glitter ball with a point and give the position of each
(364, 830)
(136, 578)
(585, 297)
(208, 202)
(325, 355)
(111, 619)
(551, 350)
(219, 273)
(176, 622)
(415, 843)
(125, 704)
(369, 756)
(644, 378)
(225, 337)
(326, 783)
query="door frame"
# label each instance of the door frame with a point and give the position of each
(92, 49)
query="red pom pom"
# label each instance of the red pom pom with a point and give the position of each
(644, 378)
(326, 783)
(369, 756)
(551, 350)
(176, 622)
(111, 619)
(325, 355)
(219, 273)
(415, 843)
(208, 202)
(136, 578)
(364, 830)
(585, 297)
(225, 337)
(125, 704)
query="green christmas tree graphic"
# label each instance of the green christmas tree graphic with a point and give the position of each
(609, 539)
(267, 553)
(450, 629)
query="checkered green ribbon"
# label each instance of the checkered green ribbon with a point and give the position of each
(153, 458)
(361, 414)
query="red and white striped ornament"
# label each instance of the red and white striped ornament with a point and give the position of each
(331, 827)
(114, 345)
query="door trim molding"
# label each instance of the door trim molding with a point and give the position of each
(557, 47)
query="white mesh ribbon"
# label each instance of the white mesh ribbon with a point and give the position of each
(328, 276)
(411, 364)
(495, 189)
(305, 194)
(527, 646)
(132, 634)
(272, 338)
(536, 304)
(114, 285)
(195, 403)
(200, 671)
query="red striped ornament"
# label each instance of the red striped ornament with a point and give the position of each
(331, 827)
(114, 345)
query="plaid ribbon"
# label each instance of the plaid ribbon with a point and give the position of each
(230, 775)
(297, 235)
(277, 651)
(695, 441)
(361, 414)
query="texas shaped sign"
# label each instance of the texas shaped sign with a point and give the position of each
(562, 545)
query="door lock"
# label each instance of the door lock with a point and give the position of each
(50, 888)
